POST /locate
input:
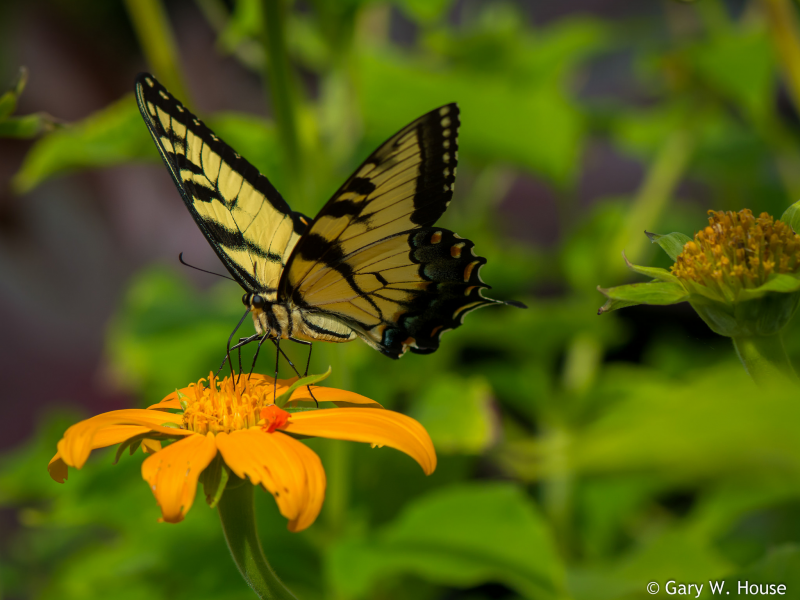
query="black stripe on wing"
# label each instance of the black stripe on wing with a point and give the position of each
(405, 184)
(221, 237)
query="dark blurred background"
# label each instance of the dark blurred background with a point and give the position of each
(580, 456)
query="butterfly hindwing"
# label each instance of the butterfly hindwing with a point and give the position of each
(371, 257)
(245, 219)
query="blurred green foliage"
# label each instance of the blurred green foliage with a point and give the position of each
(572, 463)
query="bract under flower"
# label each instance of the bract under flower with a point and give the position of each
(238, 420)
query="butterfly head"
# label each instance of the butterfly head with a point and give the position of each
(254, 302)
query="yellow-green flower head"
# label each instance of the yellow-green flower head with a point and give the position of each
(740, 273)
(738, 251)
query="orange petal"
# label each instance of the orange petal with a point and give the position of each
(342, 398)
(102, 438)
(259, 379)
(151, 446)
(167, 404)
(80, 439)
(58, 468)
(379, 427)
(286, 468)
(173, 473)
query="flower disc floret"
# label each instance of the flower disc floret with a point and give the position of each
(738, 251)
(224, 406)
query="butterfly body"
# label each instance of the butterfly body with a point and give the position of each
(371, 264)
(287, 321)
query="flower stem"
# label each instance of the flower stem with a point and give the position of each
(151, 25)
(237, 514)
(784, 29)
(282, 86)
(765, 360)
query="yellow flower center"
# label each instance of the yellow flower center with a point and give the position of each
(738, 250)
(225, 405)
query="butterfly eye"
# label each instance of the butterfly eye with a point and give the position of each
(246, 300)
(258, 302)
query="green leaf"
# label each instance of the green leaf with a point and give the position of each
(464, 536)
(132, 443)
(111, 136)
(658, 293)
(424, 11)
(8, 101)
(791, 216)
(215, 478)
(741, 66)
(310, 380)
(778, 282)
(458, 414)
(672, 243)
(510, 87)
(244, 24)
(27, 126)
(780, 567)
(706, 425)
(654, 272)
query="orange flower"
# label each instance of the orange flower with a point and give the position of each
(240, 422)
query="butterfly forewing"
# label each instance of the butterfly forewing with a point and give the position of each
(406, 183)
(247, 222)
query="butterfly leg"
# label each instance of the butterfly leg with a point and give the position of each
(308, 364)
(228, 345)
(294, 368)
(277, 358)
(242, 342)
(258, 349)
(277, 346)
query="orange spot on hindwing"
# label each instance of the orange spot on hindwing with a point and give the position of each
(468, 269)
(455, 249)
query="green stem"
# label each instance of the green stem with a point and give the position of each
(765, 359)
(559, 486)
(282, 86)
(653, 196)
(337, 455)
(151, 25)
(237, 514)
(783, 27)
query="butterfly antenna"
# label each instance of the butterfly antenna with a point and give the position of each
(183, 262)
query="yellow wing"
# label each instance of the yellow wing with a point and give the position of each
(372, 260)
(244, 218)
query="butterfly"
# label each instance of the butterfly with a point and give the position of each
(371, 265)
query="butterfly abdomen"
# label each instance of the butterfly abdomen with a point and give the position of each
(286, 321)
